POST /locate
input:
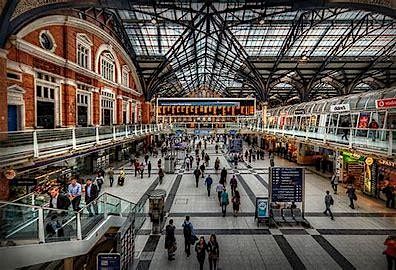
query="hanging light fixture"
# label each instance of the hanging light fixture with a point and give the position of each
(154, 20)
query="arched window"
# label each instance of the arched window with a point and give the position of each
(83, 53)
(107, 64)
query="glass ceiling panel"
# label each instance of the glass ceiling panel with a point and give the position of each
(215, 58)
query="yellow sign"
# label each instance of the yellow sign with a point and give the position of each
(369, 161)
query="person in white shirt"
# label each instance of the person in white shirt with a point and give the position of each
(74, 192)
(219, 190)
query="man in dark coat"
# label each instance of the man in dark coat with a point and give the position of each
(91, 193)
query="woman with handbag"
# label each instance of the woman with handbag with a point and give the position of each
(213, 251)
(170, 240)
(200, 249)
(236, 201)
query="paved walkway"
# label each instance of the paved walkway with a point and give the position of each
(354, 240)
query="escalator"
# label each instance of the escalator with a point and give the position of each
(36, 235)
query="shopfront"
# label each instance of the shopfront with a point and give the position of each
(322, 158)
(352, 169)
(385, 174)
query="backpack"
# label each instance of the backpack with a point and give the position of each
(331, 201)
(209, 181)
(187, 230)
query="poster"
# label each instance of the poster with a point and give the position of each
(363, 120)
(262, 207)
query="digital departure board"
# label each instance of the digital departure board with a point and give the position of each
(206, 106)
(286, 184)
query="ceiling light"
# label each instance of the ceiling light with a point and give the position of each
(261, 22)
(154, 21)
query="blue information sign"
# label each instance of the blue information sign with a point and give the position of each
(287, 184)
(235, 145)
(109, 261)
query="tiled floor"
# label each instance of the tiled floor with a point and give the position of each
(354, 240)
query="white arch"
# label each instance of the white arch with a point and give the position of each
(107, 47)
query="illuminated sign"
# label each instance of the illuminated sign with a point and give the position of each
(387, 163)
(206, 107)
(385, 103)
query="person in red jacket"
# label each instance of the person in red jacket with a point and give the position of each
(390, 251)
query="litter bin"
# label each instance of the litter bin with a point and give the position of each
(156, 209)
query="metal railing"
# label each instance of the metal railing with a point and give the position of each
(19, 145)
(29, 224)
(381, 141)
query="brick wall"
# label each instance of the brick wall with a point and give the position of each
(65, 40)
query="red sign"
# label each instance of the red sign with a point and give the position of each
(386, 103)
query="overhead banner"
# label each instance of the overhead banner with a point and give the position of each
(286, 184)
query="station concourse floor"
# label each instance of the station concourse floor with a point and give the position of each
(354, 240)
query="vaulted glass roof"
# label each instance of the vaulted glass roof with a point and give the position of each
(235, 48)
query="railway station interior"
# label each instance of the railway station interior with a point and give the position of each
(139, 134)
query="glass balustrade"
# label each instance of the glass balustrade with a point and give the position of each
(376, 140)
(27, 224)
(22, 145)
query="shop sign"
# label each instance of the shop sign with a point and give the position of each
(387, 163)
(10, 174)
(385, 103)
(350, 157)
(299, 111)
(262, 207)
(340, 108)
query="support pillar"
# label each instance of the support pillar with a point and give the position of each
(68, 263)
(3, 92)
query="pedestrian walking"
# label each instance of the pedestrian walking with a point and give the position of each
(91, 193)
(158, 164)
(224, 202)
(99, 181)
(334, 182)
(213, 252)
(161, 175)
(203, 154)
(191, 161)
(189, 235)
(351, 192)
(146, 158)
(197, 173)
(200, 249)
(223, 176)
(328, 203)
(202, 167)
(236, 201)
(149, 169)
(233, 184)
(208, 183)
(121, 177)
(170, 240)
(137, 167)
(388, 191)
(219, 190)
(272, 159)
(111, 176)
(74, 194)
(141, 169)
(390, 251)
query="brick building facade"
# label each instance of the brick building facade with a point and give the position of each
(62, 71)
